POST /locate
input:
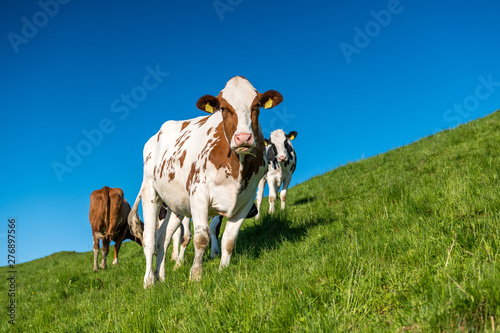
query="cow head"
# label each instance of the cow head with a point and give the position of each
(280, 145)
(240, 103)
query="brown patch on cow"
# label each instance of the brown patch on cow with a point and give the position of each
(230, 246)
(202, 121)
(170, 162)
(192, 177)
(186, 241)
(229, 118)
(184, 141)
(171, 176)
(255, 114)
(182, 157)
(147, 159)
(185, 124)
(209, 130)
(201, 241)
(162, 166)
(181, 140)
(159, 133)
(221, 156)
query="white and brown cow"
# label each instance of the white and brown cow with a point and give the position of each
(204, 167)
(108, 215)
(281, 161)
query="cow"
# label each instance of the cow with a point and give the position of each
(108, 216)
(281, 163)
(202, 167)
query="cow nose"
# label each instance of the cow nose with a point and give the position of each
(243, 138)
(282, 158)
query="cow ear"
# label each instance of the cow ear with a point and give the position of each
(208, 103)
(270, 99)
(292, 135)
(267, 141)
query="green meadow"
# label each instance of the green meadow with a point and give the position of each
(406, 241)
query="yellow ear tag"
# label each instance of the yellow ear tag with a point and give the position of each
(265, 142)
(292, 137)
(209, 108)
(268, 104)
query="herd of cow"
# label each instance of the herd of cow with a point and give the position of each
(210, 166)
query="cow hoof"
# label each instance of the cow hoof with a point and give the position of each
(195, 274)
(115, 262)
(178, 265)
(214, 254)
(96, 269)
(148, 283)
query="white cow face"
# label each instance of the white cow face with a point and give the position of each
(240, 103)
(280, 145)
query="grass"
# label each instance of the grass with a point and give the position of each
(404, 241)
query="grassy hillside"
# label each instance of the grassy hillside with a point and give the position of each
(405, 241)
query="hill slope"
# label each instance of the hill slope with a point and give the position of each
(405, 241)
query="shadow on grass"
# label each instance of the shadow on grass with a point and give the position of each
(271, 231)
(305, 200)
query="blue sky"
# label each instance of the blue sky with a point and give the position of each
(358, 78)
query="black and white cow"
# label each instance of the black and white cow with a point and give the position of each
(281, 163)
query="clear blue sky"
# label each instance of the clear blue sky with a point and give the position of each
(358, 78)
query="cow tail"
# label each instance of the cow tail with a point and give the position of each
(106, 209)
(134, 221)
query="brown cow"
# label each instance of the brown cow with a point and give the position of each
(108, 218)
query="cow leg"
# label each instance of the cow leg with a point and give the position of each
(105, 250)
(118, 244)
(199, 211)
(260, 194)
(286, 182)
(273, 188)
(230, 235)
(176, 240)
(96, 251)
(214, 235)
(150, 207)
(160, 244)
(186, 233)
(164, 237)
